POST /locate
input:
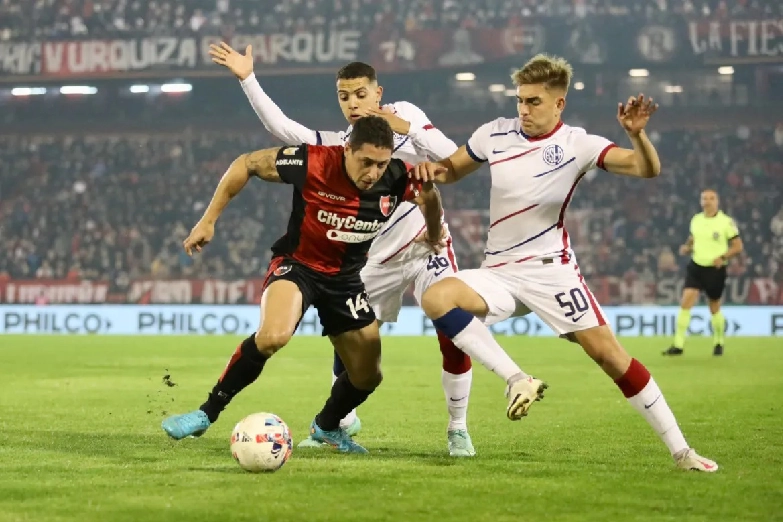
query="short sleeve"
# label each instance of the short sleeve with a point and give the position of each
(329, 138)
(731, 229)
(411, 113)
(591, 151)
(291, 165)
(478, 144)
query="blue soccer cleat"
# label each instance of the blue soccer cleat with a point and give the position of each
(192, 424)
(351, 430)
(338, 439)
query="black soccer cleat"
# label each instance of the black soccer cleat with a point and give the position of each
(673, 350)
(718, 350)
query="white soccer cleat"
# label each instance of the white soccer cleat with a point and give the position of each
(690, 460)
(521, 396)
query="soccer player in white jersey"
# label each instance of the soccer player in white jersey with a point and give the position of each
(535, 163)
(396, 259)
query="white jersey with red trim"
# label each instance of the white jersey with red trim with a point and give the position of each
(407, 221)
(533, 180)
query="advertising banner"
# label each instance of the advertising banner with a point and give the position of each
(629, 321)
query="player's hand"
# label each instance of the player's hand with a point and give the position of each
(437, 244)
(398, 125)
(239, 64)
(685, 250)
(718, 262)
(427, 171)
(200, 236)
(634, 115)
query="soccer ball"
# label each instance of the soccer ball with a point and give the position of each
(261, 442)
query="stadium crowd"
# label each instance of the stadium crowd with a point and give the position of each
(25, 19)
(118, 207)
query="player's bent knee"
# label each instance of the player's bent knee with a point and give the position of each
(437, 299)
(270, 341)
(689, 298)
(367, 380)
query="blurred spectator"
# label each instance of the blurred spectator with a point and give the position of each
(118, 207)
(25, 19)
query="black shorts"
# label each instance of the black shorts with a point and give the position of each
(708, 279)
(341, 300)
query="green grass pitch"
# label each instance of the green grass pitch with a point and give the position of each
(80, 437)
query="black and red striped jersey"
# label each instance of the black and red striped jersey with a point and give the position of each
(333, 223)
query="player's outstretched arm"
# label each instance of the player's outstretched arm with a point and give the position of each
(432, 207)
(261, 163)
(425, 137)
(273, 118)
(449, 170)
(642, 161)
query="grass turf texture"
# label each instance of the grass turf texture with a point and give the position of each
(80, 436)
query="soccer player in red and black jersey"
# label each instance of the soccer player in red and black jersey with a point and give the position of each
(342, 197)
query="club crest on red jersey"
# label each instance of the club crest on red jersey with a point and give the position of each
(387, 204)
(282, 270)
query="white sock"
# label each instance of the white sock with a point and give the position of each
(651, 404)
(457, 387)
(477, 341)
(348, 419)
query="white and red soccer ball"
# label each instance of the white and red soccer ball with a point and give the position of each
(261, 442)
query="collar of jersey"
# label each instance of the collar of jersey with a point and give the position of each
(541, 137)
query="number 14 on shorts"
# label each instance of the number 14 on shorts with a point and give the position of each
(575, 302)
(358, 304)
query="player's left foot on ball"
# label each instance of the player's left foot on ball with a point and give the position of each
(338, 439)
(718, 350)
(460, 444)
(192, 424)
(690, 460)
(521, 396)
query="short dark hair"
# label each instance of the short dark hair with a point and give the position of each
(357, 70)
(373, 130)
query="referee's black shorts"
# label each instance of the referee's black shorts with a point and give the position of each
(708, 279)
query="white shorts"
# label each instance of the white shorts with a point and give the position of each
(386, 283)
(555, 292)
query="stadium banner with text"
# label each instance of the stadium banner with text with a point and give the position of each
(618, 291)
(587, 40)
(726, 41)
(300, 52)
(630, 321)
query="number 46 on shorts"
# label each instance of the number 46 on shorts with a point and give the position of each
(358, 304)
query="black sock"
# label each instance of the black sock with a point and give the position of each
(243, 369)
(337, 367)
(345, 397)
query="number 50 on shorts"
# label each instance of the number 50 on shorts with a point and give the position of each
(574, 302)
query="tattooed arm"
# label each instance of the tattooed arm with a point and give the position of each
(260, 163)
